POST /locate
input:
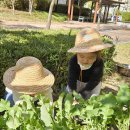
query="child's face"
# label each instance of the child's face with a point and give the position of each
(86, 58)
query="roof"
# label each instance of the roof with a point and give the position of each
(110, 2)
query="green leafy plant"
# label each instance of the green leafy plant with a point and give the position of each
(98, 113)
(125, 16)
(107, 54)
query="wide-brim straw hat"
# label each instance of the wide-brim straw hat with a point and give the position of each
(88, 40)
(28, 76)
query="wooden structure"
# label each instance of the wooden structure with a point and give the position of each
(106, 3)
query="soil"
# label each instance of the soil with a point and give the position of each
(112, 83)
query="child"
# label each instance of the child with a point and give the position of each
(86, 66)
(29, 77)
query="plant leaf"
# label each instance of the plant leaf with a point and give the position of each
(45, 116)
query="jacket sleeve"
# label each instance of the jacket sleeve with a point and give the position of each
(73, 73)
(95, 77)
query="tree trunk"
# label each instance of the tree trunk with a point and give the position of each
(57, 2)
(50, 14)
(30, 6)
(13, 8)
(99, 15)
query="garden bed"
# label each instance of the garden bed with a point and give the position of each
(97, 113)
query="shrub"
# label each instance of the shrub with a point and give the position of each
(42, 5)
(24, 4)
(125, 16)
(107, 54)
(19, 4)
(2, 3)
(64, 8)
(48, 46)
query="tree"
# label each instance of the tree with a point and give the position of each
(50, 14)
(99, 15)
(13, 2)
(30, 6)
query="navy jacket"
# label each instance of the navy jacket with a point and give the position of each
(92, 76)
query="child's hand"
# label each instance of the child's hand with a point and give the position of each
(75, 102)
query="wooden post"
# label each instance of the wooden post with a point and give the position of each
(95, 13)
(117, 13)
(104, 14)
(69, 9)
(72, 10)
(99, 14)
(107, 13)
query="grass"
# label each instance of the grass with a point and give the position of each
(125, 17)
(122, 53)
(37, 16)
(48, 46)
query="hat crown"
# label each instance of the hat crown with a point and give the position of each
(28, 69)
(28, 76)
(88, 40)
(87, 37)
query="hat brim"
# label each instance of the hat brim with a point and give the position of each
(28, 88)
(90, 48)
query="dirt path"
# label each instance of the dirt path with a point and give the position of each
(33, 25)
(61, 25)
(105, 29)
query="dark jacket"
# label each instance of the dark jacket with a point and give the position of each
(92, 76)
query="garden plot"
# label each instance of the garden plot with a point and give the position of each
(121, 58)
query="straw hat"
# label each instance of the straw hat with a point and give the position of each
(88, 40)
(28, 76)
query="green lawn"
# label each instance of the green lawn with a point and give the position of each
(23, 16)
(122, 53)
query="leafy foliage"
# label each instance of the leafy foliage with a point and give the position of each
(107, 55)
(97, 113)
(125, 16)
(23, 4)
(48, 46)
(64, 8)
(37, 16)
